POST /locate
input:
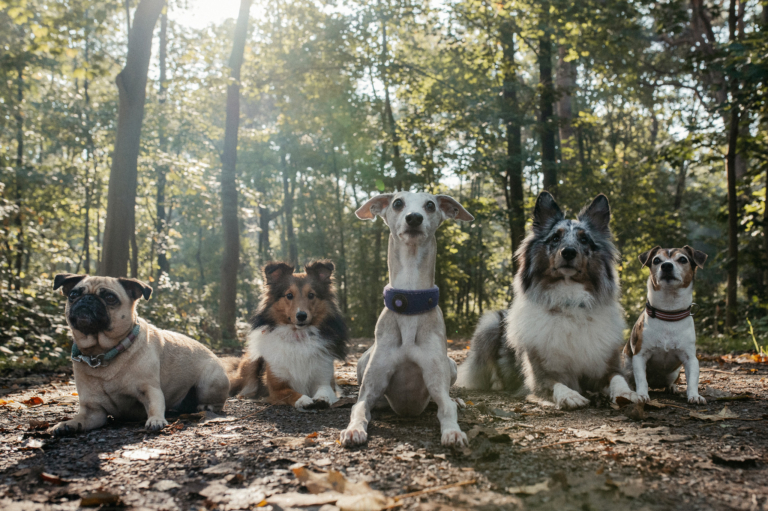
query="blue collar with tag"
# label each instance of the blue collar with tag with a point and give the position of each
(102, 359)
(405, 301)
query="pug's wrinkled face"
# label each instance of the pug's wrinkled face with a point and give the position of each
(101, 311)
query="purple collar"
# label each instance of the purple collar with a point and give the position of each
(409, 302)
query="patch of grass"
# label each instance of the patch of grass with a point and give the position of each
(722, 344)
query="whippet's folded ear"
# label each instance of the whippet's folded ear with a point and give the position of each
(376, 206)
(66, 281)
(598, 213)
(546, 213)
(320, 270)
(273, 272)
(697, 256)
(452, 209)
(647, 256)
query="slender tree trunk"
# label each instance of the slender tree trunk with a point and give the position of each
(161, 226)
(229, 219)
(342, 271)
(513, 186)
(131, 85)
(566, 81)
(397, 161)
(681, 175)
(199, 256)
(731, 306)
(546, 113)
(765, 205)
(19, 220)
(290, 235)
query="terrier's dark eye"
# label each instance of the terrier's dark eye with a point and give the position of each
(111, 299)
(311, 296)
(656, 260)
(430, 207)
(75, 293)
(289, 296)
(398, 204)
(683, 260)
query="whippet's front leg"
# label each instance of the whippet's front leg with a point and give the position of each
(437, 374)
(373, 385)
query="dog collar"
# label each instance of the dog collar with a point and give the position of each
(103, 359)
(404, 301)
(667, 315)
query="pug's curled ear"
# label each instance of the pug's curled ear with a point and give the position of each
(647, 256)
(135, 288)
(452, 209)
(697, 256)
(320, 270)
(274, 272)
(66, 281)
(375, 206)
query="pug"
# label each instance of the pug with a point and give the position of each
(126, 367)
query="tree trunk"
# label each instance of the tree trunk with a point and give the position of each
(681, 175)
(290, 235)
(546, 114)
(342, 271)
(19, 220)
(397, 161)
(513, 186)
(131, 85)
(161, 223)
(566, 81)
(731, 306)
(230, 226)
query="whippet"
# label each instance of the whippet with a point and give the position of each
(408, 362)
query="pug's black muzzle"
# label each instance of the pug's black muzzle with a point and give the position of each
(89, 315)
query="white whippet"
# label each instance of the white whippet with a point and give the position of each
(408, 362)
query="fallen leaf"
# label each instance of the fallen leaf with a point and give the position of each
(735, 461)
(99, 498)
(37, 425)
(294, 499)
(228, 467)
(292, 442)
(31, 444)
(53, 479)
(724, 414)
(345, 402)
(312, 435)
(530, 490)
(347, 495)
(3, 402)
(33, 401)
(655, 404)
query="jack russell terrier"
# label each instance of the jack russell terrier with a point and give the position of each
(408, 362)
(664, 337)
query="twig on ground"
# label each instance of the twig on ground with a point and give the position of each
(432, 490)
(706, 369)
(562, 442)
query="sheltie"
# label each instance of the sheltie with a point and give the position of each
(563, 334)
(296, 334)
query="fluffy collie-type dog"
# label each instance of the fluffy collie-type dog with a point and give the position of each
(564, 331)
(296, 334)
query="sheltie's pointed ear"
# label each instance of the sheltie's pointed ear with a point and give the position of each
(375, 206)
(320, 270)
(546, 213)
(697, 256)
(274, 272)
(598, 214)
(647, 256)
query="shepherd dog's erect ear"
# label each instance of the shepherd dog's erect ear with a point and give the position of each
(546, 213)
(598, 213)
(647, 256)
(273, 272)
(135, 288)
(452, 209)
(66, 281)
(320, 270)
(697, 256)
(374, 206)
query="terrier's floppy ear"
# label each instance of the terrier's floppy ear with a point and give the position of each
(375, 206)
(320, 270)
(66, 281)
(135, 288)
(452, 209)
(697, 256)
(598, 213)
(546, 212)
(273, 272)
(647, 256)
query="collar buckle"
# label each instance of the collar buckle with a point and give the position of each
(93, 362)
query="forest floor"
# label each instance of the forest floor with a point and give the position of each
(522, 454)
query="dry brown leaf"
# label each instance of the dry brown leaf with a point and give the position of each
(37, 425)
(724, 414)
(99, 498)
(53, 479)
(33, 401)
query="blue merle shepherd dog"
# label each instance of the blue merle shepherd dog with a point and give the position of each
(564, 331)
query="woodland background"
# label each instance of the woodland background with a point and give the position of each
(262, 135)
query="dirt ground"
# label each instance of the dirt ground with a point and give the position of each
(523, 454)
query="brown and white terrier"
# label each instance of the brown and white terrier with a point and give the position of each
(664, 338)
(296, 334)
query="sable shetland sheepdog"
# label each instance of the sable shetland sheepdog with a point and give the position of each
(564, 332)
(296, 334)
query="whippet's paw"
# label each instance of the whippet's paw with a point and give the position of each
(454, 438)
(632, 397)
(353, 435)
(155, 424)
(66, 428)
(304, 403)
(697, 400)
(642, 397)
(460, 402)
(672, 389)
(569, 399)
